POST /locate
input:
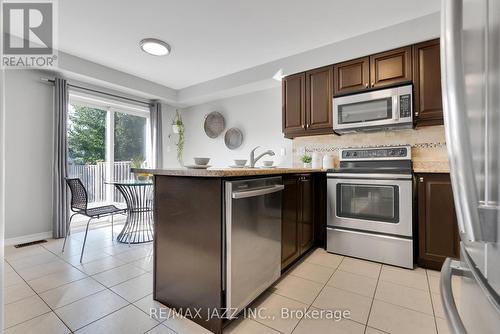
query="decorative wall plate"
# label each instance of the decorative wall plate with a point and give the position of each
(214, 124)
(233, 138)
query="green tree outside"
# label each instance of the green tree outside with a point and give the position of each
(130, 139)
(87, 135)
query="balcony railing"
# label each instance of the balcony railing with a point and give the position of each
(94, 176)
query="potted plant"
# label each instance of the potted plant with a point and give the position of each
(138, 162)
(178, 129)
(307, 160)
(177, 124)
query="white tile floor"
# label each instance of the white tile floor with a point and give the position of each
(47, 291)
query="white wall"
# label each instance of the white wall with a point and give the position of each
(257, 115)
(28, 153)
(2, 187)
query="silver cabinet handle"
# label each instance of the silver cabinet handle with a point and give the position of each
(455, 120)
(257, 192)
(449, 306)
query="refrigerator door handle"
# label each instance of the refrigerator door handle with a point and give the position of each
(449, 268)
(455, 119)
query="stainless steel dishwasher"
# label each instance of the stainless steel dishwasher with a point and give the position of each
(252, 231)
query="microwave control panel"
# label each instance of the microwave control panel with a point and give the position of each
(405, 106)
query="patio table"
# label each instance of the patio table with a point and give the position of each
(138, 226)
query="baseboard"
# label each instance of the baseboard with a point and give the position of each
(28, 238)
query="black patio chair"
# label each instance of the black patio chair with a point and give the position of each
(79, 205)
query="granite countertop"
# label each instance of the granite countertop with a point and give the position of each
(225, 172)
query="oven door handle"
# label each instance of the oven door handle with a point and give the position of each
(370, 176)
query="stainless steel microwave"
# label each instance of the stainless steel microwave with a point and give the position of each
(376, 110)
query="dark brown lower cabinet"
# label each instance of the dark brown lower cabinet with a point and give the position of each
(306, 214)
(289, 221)
(437, 220)
(302, 215)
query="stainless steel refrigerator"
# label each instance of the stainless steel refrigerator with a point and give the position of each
(470, 71)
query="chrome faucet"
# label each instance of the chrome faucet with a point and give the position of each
(253, 159)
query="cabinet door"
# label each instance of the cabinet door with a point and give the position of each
(437, 220)
(391, 67)
(306, 213)
(289, 227)
(294, 104)
(351, 76)
(427, 83)
(319, 99)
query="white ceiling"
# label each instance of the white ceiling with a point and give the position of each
(213, 38)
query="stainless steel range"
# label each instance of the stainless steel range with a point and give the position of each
(370, 202)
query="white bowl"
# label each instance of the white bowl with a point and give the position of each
(267, 163)
(201, 161)
(240, 162)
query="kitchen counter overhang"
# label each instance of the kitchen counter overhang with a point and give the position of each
(225, 172)
(189, 236)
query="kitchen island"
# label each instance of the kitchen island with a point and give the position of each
(192, 245)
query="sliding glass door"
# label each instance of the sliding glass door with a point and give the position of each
(104, 141)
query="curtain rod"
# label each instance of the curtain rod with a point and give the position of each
(100, 92)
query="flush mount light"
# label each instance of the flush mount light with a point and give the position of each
(155, 47)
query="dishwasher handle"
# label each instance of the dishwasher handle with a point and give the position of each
(257, 192)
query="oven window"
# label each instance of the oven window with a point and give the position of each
(369, 202)
(373, 110)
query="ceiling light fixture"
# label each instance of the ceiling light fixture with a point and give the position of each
(155, 47)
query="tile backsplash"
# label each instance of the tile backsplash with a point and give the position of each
(428, 144)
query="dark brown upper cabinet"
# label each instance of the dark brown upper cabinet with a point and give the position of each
(390, 67)
(294, 103)
(351, 76)
(378, 70)
(307, 103)
(437, 221)
(307, 96)
(319, 99)
(427, 83)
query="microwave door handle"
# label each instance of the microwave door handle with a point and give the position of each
(395, 107)
(455, 120)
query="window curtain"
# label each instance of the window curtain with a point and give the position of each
(60, 200)
(156, 134)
